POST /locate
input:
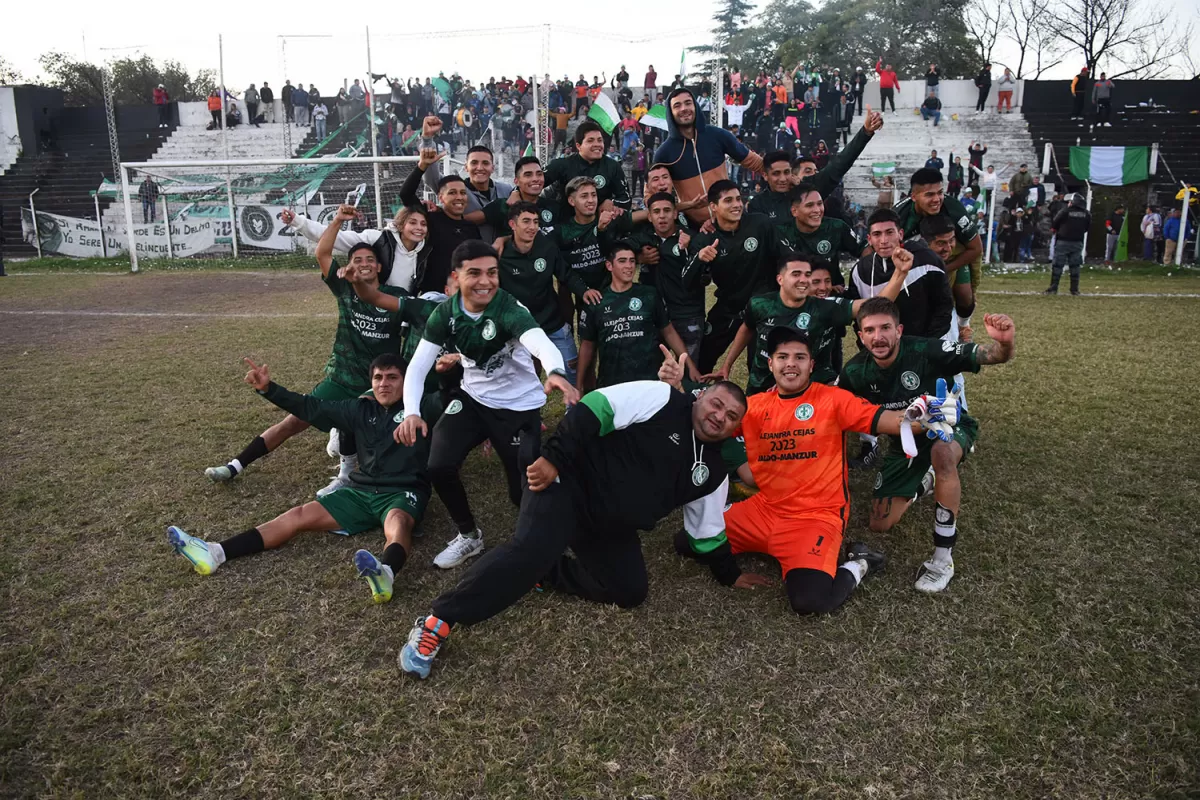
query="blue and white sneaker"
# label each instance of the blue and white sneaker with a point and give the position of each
(193, 549)
(379, 575)
(424, 641)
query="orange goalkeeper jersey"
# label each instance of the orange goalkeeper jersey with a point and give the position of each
(796, 446)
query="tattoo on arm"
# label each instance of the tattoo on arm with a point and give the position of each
(992, 354)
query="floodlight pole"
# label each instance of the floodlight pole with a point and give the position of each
(225, 138)
(99, 224)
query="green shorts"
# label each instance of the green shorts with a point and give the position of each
(330, 389)
(358, 510)
(900, 476)
(733, 453)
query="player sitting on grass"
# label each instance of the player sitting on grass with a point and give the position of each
(795, 437)
(895, 369)
(388, 488)
(624, 458)
(363, 332)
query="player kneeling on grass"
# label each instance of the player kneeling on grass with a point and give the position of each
(624, 458)
(363, 332)
(795, 435)
(389, 486)
(894, 370)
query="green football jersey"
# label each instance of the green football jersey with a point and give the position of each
(529, 277)
(745, 264)
(607, 173)
(418, 310)
(830, 238)
(775, 206)
(667, 275)
(965, 228)
(625, 326)
(918, 365)
(497, 369)
(363, 332)
(583, 245)
(816, 317)
(495, 214)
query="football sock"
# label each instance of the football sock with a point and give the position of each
(945, 533)
(869, 439)
(244, 544)
(218, 552)
(346, 443)
(349, 464)
(857, 568)
(394, 556)
(254, 451)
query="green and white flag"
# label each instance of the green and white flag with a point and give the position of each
(656, 117)
(528, 150)
(604, 113)
(881, 169)
(1110, 166)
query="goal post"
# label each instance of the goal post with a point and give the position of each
(232, 210)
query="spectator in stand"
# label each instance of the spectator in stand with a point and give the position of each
(1079, 91)
(344, 106)
(1020, 183)
(621, 79)
(858, 84)
(954, 179)
(932, 109)
(314, 97)
(888, 85)
(1170, 236)
(320, 114)
(214, 108)
(975, 154)
(821, 155)
(968, 200)
(983, 82)
(1152, 225)
(581, 93)
(289, 108)
(356, 92)
(233, 115)
(162, 100)
(933, 162)
(1102, 98)
(1006, 86)
(1037, 192)
(845, 113)
(989, 181)
(1112, 232)
(250, 98)
(932, 78)
(300, 105)
(266, 99)
(887, 191)
(148, 193)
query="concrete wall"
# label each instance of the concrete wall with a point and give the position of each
(10, 134)
(1056, 95)
(196, 115)
(36, 107)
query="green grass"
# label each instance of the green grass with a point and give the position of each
(1062, 661)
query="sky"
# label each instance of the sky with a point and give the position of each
(301, 42)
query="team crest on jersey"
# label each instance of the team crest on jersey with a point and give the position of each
(699, 474)
(547, 215)
(399, 417)
(454, 407)
(601, 181)
(675, 250)
(823, 247)
(489, 330)
(947, 346)
(751, 244)
(910, 381)
(878, 480)
(802, 321)
(539, 265)
(963, 221)
(682, 219)
(804, 411)
(635, 304)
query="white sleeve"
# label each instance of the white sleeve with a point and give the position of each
(625, 404)
(705, 518)
(414, 379)
(312, 230)
(537, 342)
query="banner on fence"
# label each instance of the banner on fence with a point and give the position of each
(80, 238)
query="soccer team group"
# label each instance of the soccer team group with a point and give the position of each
(456, 323)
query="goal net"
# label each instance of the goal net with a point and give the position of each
(232, 212)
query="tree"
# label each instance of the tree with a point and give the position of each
(1030, 26)
(1132, 40)
(982, 21)
(133, 79)
(9, 74)
(732, 17)
(81, 82)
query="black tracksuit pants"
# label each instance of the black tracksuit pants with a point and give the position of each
(607, 565)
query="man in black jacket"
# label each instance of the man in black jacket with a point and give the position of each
(447, 228)
(655, 448)
(983, 81)
(1070, 227)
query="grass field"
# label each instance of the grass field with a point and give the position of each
(1063, 661)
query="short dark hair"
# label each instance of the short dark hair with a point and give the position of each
(790, 257)
(878, 305)
(802, 190)
(523, 161)
(479, 148)
(517, 209)
(825, 264)
(883, 215)
(732, 388)
(721, 187)
(449, 179)
(932, 227)
(658, 197)
(361, 246)
(386, 361)
(774, 157)
(659, 165)
(802, 160)
(470, 250)
(618, 246)
(925, 176)
(586, 127)
(784, 334)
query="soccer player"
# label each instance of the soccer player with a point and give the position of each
(776, 202)
(928, 199)
(447, 227)
(663, 255)
(623, 459)
(589, 162)
(893, 370)
(583, 236)
(740, 256)
(500, 397)
(792, 306)
(624, 327)
(795, 443)
(658, 179)
(364, 331)
(530, 181)
(808, 231)
(388, 487)
(820, 286)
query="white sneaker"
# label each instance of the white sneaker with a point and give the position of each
(934, 577)
(333, 448)
(338, 482)
(459, 550)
